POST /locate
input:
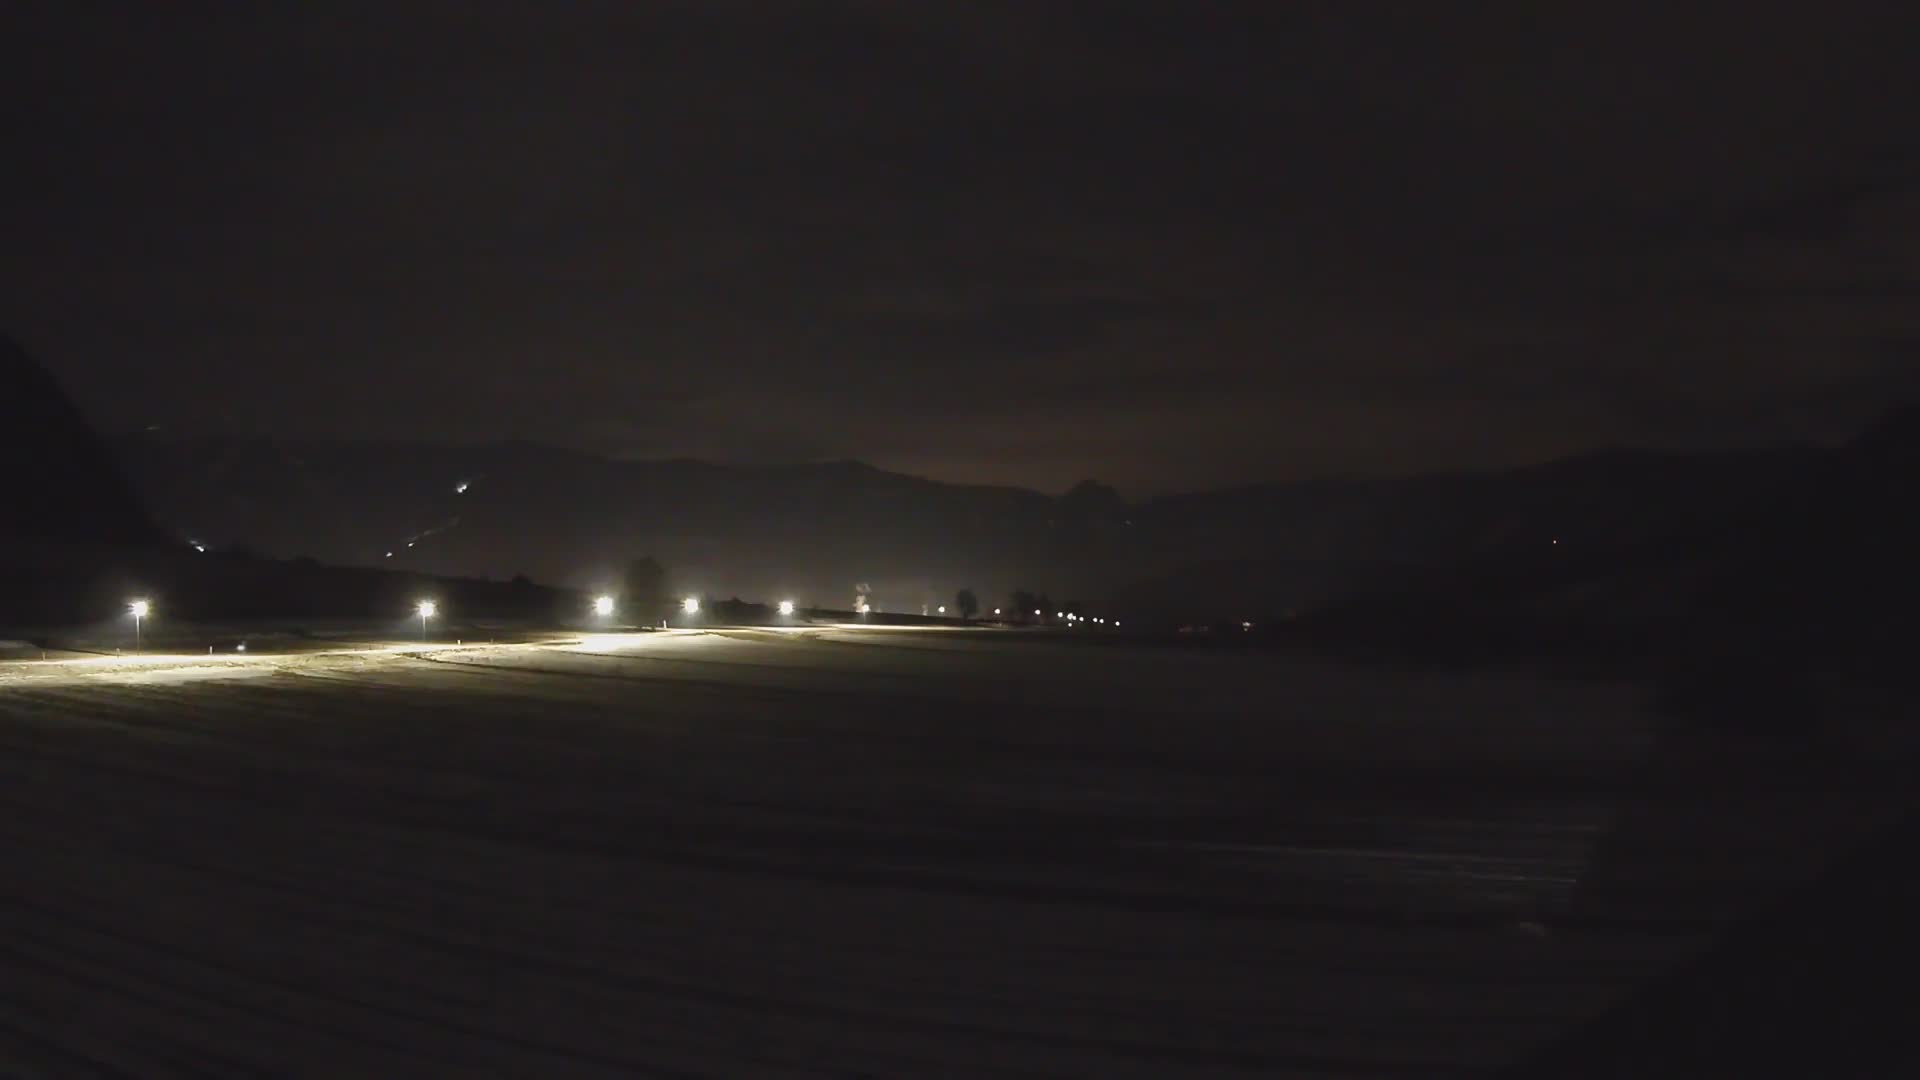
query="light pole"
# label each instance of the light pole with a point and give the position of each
(426, 609)
(138, 609)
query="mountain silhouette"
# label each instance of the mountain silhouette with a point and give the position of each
(1632, 529)
(63, 485)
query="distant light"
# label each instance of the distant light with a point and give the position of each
(786, 607)
(996, 611)
(1036, 612)
(864, 607)
(943, 609)
(389, 554)
(242, 647)
(691, 605)
(1556, 540)
(198, 546)
(1246, 626)
(460, 488)
(1116, 624)
(427, 609)
(1057, 614)
(138, 609)
(603, 605)
(409, 543)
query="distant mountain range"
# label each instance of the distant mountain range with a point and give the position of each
(1788, 564)
(1817, 539)
(815, 531)
(77, 543)
(808, 531)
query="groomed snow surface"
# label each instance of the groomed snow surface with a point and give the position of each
(834, 851)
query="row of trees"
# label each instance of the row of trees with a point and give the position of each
(1025, 605)
(646, 595)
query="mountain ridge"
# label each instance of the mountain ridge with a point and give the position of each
(64, 486)
(817, 528)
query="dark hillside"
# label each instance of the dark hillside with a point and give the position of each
(62, 483)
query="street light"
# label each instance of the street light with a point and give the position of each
(427, 610)
(691, 605)
(138, 609)
(603, 605)
(786, 607)
(943, 609)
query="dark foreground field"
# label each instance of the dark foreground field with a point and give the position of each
(846, 852)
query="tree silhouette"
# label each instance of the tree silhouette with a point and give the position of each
(646, 589)
(1024, 604)
(968, 603)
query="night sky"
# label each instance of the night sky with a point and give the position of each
(1169, 246)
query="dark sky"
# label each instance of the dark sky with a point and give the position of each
(1167, 245)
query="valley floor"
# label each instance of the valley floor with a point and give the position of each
(836, 851)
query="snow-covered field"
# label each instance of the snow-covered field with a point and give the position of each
(828, 851)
